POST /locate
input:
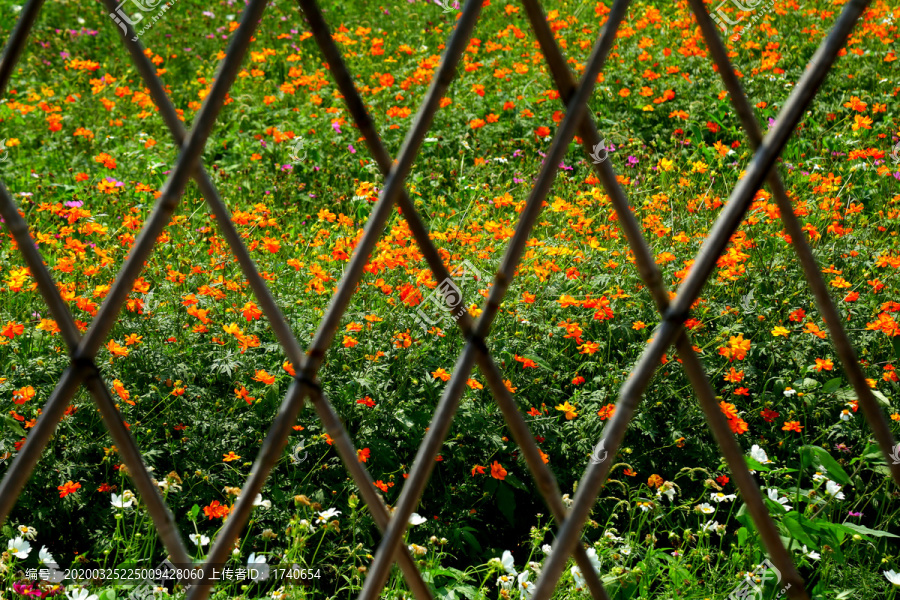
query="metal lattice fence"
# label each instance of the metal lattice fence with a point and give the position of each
(82, 369)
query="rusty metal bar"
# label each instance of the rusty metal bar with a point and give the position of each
(394, 183)
(543, 476)
(261, 291)
(727, 223)
(652, 278)
(326, 331)
(147, 70)
(174, 187)
(843, 346)
(443, 417)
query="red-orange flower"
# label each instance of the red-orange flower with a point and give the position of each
(363, 455)
(68, 488)
(792, 426)
(263, 377)
(497, 471)
(23, 394)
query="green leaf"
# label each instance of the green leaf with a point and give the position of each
(470, 539)
(832, 385)
(742, 534)
(835, 471)
(515, 482)
(192, 514)
(798, 527)
(863, 530)
(755, 465)
(107, 594)
(13, 425)
(506, 502)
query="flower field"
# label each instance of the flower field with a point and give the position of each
(198, 374)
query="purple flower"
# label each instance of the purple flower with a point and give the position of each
(517, 180)
(287, 167)
(632, 161)
(564, 167)
(351, 148)
(854, 514)
(518, 152)
(74, 203)
(336, 126)
(263, 143)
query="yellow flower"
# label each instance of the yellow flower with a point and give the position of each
(780, 331)
(666, 165)
(569, 409)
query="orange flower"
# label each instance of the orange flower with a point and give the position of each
(251, 311)
(230, 457)
(736, 348)
(116, 349)
(606, 412)
(381, 486)
(12, 329)
(263, 377)
(68, 488)
(734, 376)
(441, 374)
(526, 362)
(577, 380)
(568, 409)
(289, 367)
(133, 338)
(363, 455)
(792, 426)
(534, 412)
(472, 383)
(655, 481)
(216, 510)
(478, 470)
(824, 364)
(476, 123)
(120, 390)
(349, 342)
(729, 410)
(23, 394)
(629, 472)
(497, 471)
(244, 395)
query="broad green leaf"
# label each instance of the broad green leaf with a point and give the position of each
(791, 522)
(506, 502)
(863, 530)
(835, 471)
(832, 385)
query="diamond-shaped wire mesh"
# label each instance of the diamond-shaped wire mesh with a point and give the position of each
(83, 370)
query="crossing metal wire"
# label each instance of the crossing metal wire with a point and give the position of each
(82, 369)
